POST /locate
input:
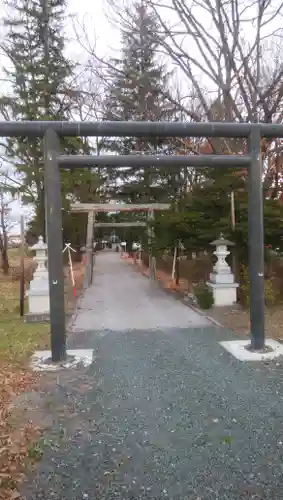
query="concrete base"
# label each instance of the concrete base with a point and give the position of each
(41, 360)
(224, 294)
(219, 278)
(238, 349)
(38, 302)
(37, 318)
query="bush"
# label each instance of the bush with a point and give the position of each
(203, 295)
(270, 290)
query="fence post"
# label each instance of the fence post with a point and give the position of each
(256, 241)
(53, 215)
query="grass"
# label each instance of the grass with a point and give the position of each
(17, 341)
(17, 338)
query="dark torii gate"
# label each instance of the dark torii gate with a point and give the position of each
(52, 130)
(93, 208)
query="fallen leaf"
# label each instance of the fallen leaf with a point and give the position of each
(15, 495)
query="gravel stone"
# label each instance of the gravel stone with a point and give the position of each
(163, 411)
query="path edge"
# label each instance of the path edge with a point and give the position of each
(179, 296)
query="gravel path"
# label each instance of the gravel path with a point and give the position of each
(163, 412)
(122, 299)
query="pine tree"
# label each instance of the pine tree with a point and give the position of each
(137, 91)
(40, 78)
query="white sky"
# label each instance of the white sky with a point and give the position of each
(92, 15)
(90, 20)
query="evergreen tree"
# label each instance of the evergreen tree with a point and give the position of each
(137, 91)
(40, 77)
(205, 212)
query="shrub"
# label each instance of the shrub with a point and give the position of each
(270, 290)
(204, 295)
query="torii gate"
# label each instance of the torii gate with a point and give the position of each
(93, 208)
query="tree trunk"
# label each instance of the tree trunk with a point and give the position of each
(5, 261)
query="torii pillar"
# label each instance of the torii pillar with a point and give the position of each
(89, 249)
(151, 256)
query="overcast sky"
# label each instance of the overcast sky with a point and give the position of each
(91, 16)
(87, 20)
(88, 14)
(94, 16)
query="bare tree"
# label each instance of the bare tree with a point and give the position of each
(206, 40)
(87, 97)
(222, 52)
(6, 222)
(94, 70)
(228, 56)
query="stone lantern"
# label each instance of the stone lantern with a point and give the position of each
(222, 280)
(38, 293)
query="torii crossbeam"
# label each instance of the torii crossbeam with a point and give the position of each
(121, 224)
(116, 207)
